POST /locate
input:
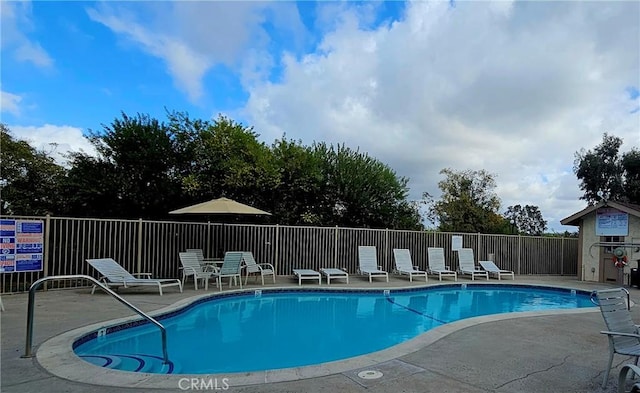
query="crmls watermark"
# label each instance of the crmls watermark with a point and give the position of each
(203, 384)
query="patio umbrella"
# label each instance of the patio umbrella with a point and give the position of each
(220, 206)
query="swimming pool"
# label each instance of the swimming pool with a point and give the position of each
(274, 329)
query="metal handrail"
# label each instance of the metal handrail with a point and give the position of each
(31, 305)
(635, 245)
(594, 295)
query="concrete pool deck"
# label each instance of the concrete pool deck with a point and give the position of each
(563, 352)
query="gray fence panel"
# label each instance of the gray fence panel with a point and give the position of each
(417, 242)
(504, 248)
(569, 257)
(348, 241)
(153, 246)
(306, 248)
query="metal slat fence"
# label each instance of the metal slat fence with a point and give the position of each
(153, 246)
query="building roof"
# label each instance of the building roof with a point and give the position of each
(625, 207)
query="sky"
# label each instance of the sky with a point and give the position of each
(514, 88)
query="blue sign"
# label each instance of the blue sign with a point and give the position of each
(21, 245)
(611, 222)
(30, 227)
(7, 263)
(29, 265)
(29, 248)
(7, 227)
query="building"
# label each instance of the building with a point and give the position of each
(603, 228)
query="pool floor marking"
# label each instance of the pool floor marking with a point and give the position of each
(390, 300)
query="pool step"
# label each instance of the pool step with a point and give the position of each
(138, 363)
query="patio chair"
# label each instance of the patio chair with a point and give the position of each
(404, 265)
(368, 263)
(468, 265)
(114, 275)
(208, 264)
(191, 267)
(437, 265)
(494, 270)
(623, 334)
(263, 269)
(231, 267)
(199, 253)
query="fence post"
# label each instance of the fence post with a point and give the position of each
(45, 256)
(139, 256)
(562, 256)
(335, 250)
(386, 249)
(519, 251)
(277, 248)
(208, 241)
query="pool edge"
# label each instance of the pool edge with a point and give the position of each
(56, 355)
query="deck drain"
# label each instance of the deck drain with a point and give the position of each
(370, 374)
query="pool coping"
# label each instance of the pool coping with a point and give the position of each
(56, 355)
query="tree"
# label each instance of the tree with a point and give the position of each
(298, 192)
(468, 202)
(91, 188)
(134, 174)
(526, 220)
(604, 173)
(30, 179)
(360, 191)
(145, 168)
(631, 169)
(229, 160)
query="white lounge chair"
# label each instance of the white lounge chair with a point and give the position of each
(114, 275)
(231, 267)
(437, 265)
(404, 265)
(307, 274)
(368, 262)
(468, 264)
(330, 273)
(263, 269)
(191, 267)
(623, 334)
(494, 270)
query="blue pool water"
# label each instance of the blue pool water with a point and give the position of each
(279, 329)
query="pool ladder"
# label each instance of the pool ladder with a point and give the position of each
(31, 304)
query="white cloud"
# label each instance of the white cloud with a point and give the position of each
(10, 103)
(513, 88)
(192, 37)
(16, 28)
(187, 66)
(34, 53)
(57, 141)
